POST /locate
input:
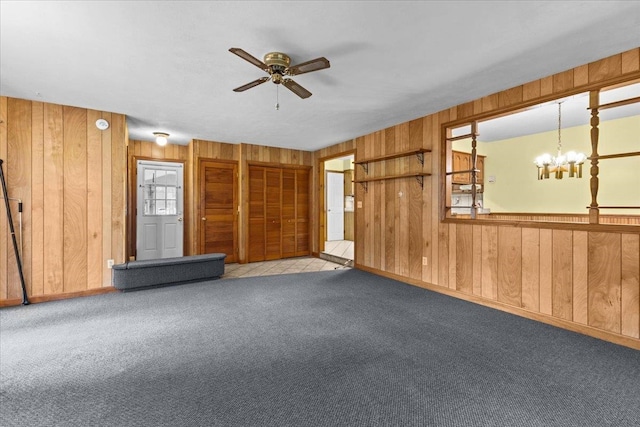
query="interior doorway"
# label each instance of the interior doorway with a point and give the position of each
(160, 204)
(339, 232)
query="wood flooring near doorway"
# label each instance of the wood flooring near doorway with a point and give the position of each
(278, 212)
(219, 208)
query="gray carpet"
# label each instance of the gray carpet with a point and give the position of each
(335, 348)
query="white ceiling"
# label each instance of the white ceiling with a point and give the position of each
(166, 65)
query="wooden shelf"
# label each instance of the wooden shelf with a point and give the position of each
(382, 178)
(419, 176)
(417, 152)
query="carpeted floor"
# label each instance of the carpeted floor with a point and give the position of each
(334, 348)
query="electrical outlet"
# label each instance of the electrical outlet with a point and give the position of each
(109, 263)
(425, 260)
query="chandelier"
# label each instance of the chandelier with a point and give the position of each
(570, 162)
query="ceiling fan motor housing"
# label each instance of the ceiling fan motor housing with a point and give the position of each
(277, 61)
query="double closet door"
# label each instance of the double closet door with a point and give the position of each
(278, 213)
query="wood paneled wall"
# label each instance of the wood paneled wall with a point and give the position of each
(69, 176)
(586, 280)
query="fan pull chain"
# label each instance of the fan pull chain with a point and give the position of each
(277, 98)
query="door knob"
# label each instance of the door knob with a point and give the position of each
(180, 219)
(204, 218)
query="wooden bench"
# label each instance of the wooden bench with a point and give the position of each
(167, 271)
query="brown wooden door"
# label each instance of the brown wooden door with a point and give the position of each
(218, 209)
(273, 213)
(256, 233)
(289, 213)
(302, 212)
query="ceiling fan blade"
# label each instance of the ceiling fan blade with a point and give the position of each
(248, 57)
(296, 88)
(309, 66)
(252, 84)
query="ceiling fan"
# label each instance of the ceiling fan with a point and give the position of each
(277, 65)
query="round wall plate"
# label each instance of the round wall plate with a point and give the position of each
(102, 124)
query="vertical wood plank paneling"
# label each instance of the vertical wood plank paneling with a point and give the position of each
(563, 81)
(403, 202)
(546, 86)
(377, 194)
(562, 274)
(75, 200)
(415, 197)
(580, 289)
(464, 258)
(37, 200)
(435, 145)
(443, 254)
(360, 206)
(118, 187)
(389, 205)
(477, 260)
(53, 199)
(630, 282)
(531, 269)
(581, 76)
(531, 90)
(453, 252)
(490, 262)
(546, 277)
(510, 265)
(4, 226)
(604, 281)
(630, 61)
(18, 178)
(105, 139)
(94, 201)
(606, 68)
(427, 204)
(369, 202)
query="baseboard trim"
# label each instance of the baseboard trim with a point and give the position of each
(46, 298)
(612, 337)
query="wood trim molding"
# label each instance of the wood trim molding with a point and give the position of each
(57, 297)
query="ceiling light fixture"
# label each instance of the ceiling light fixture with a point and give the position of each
(161, 138)
(570, 162)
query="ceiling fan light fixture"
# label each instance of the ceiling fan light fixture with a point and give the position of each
(161, 138)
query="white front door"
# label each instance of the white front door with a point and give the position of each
(159, 217)
(335, 205)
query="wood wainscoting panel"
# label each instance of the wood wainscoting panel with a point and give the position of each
(477, 260)
(510, 266)
(604, 280)
(531, 269)
(580, 277)
(546, 271)
(490, 262)
(630, 292)
(464, 258)
(562, 274)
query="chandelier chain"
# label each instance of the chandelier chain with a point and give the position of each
(559, 125)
